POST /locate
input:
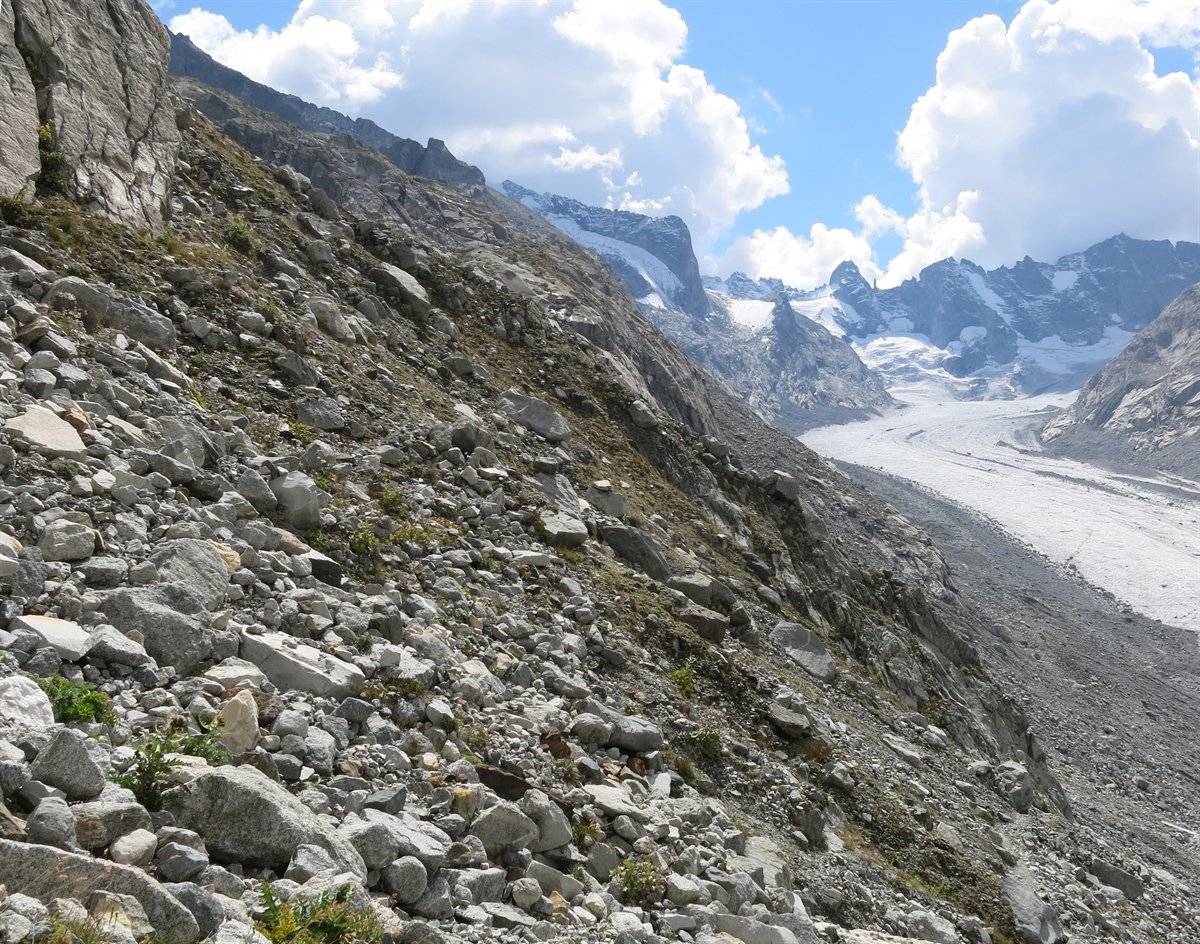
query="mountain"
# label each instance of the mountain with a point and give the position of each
(1010, 331)
(1144, 406)
(652, 256)
(794, 373)
(430, 160)
(363, 543)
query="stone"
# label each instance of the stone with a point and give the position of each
(1116, 877)
(1036, 922)
(114, 647)
(562, 529)
(134, 848)
(637, 549)
(239, 723)
(25, 709)
(502, 827)
(291, 664)
(66, 763)
(103, 821)
(554, 830)
(47, 433)
(246, 817)
(534, 414)
(806, 649)
(300, 498)
(615, 801)
(405, 878)
(196, 563)
(323, 413)
(66, 540)
(205, 907)
(330, 318)
(172, 619)
(52, 824)
(116, 913)
(64, 636)
(526, 893)
(708, 624)
(46, 873)
(402, 286)
(178, 863)
(394, 837)
(750, 931)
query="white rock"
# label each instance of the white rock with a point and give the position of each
(291, 664)
(24, 707)
(67, 638)
(47, 433)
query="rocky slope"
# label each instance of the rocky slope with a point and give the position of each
(84, 107)
(792, 371)
(432, 159)
(419, 582)
(1144, 406)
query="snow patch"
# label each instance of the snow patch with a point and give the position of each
(987, 296)
(750, 313)
(1064, 281)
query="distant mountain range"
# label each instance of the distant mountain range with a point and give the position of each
(956, 329)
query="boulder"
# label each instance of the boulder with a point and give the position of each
(65, 637)
(1036, 922)
(239, 723)
(46, 873)
(196, 563)
(300, 499)
(806, 649)
(172, 618)
(534, 414)
(65, 762)
(291, 664)
(24, 708)
(562, 529)
(47, 433)
(503, 828)
(637, 549)
(402, 286)
(245, 817)
(66, 540)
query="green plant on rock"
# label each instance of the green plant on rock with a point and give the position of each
(331, 918)
(364, 542)
(705, 743)
(240, 235)
(76, 701)
(640, 881)
(76, 932)
(586, 833)
(304, 434)
(15, 211)
(149, 774)
(392, 501)
(684, 678)
(55, 177)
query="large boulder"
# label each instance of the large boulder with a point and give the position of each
(172, 618)
(65, 637)
(402, 286)
(24, 707)
(46, 873)
(196, 563)
(804, 647)
(245, 817)
(47, 433)
(95, 73)
(534, 414)
(66, 763)
(1036, 921)
(637, 549)
(291, 664)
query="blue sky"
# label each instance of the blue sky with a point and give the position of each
(604, 100)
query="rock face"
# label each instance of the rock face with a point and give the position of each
(431, 160)
(93, 73)
(652, 256)
(1144, 407)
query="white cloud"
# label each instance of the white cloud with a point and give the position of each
(1052, 133)
(801, 261)
(560, 96)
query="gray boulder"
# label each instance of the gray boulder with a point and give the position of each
(195, 563)
(534, 414)
(637, 549)
(1036, 921)
(173, 619)
(46, 873)
(243, 816)
(806, 649)
(52, 824)
(67, 763)
(503, 827)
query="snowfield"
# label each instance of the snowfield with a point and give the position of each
(1136, 536)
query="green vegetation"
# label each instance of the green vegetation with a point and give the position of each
(392, 690)
(304, 434)
(585, 833)
(55, 177)
(706, 744)
(684, 678)
(364, 542)
(15, 212)
(76, 701)
(240, 235)
(149, 774)
(363, 642)
(329, 919)
(640, 881)
(392, 501)
(76, 932)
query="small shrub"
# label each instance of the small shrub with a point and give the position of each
(392, 690)
(680, 763)
(640, 882)
(149, 774)
(706, 744)
(585, 833)
(364, 542)
(15, 212)
(304, 434)
(55, 178)
(328, 919)
(364, 642)
(76, 932)
(411, 533)
(240, 235)
(72, 701)
(684, 678)
(392, 501)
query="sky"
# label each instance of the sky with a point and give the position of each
(788, 135)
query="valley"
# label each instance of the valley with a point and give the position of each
(1132, 535)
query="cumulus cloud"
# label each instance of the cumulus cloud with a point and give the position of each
(1039, 137)
(589, 98)
(801, 261)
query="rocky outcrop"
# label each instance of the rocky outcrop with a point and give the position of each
(1144, 407)
(651, 255)
(84, 106)
(430, 160)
